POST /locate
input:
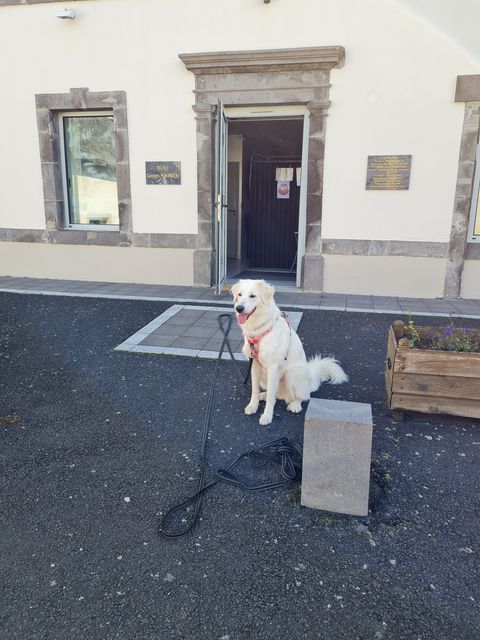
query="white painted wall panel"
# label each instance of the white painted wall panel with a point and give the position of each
(98, 264)
(471, 280)
(385, 276)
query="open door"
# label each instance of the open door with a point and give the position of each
(272, 148)
(221, 145)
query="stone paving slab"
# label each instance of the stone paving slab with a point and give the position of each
(189, 331)
(387, 307)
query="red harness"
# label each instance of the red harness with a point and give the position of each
(254, 341)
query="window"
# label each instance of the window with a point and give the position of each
(89, 170)
(474, 226)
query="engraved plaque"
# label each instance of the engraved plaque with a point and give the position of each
(167, 172)
(388, 172)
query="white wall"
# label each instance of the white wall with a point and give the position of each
(384, 276)
(456, 22)
(98, 264)
(471, 279)
(109, 46)
(394, 96)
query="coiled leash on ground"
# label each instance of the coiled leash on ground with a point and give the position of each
(281, 452)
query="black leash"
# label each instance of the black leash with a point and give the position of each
(282, 453)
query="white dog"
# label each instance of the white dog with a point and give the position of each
(279, 362)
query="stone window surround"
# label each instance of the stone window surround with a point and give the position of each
(459, 249)
(48, 107)
(262, 77)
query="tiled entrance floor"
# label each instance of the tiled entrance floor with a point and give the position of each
(187, 330)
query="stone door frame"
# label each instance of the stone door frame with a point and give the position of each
(275, 113)
(459, 248)
(266, 77)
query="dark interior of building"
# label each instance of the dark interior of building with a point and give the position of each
(267, 220)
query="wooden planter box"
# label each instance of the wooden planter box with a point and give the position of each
(430, 381)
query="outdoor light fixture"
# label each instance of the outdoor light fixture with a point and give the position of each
(66, 13)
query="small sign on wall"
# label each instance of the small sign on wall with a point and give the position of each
(388, 172)
(283, 190)
(167, 172)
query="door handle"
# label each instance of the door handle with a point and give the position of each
(219, 206)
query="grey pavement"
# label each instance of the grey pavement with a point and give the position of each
(96, 444)
(294, 298)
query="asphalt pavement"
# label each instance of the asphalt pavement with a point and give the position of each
(96, 444)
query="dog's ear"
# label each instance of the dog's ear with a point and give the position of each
(266, 291)
(235, 290)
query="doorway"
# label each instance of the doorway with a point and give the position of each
(264, 198)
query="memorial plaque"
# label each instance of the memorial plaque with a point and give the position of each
(163, 172)
(388, 172)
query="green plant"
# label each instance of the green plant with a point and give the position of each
(449, 338)
(411, 330)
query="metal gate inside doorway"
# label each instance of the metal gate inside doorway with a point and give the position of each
(272, 221)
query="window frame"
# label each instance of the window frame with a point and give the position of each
(67, 225)
(48, 105)
(474, 202)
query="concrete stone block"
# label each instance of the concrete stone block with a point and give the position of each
(336, 456)
(313, 273)
(202, 267)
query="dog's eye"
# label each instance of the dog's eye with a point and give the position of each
(252, 296)
(239, 295)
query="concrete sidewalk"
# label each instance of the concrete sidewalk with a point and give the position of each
(295, 299)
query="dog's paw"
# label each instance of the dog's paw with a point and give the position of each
(251, 408)
(295, 406)
(265, 419)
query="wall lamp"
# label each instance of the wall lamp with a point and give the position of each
(66, 14)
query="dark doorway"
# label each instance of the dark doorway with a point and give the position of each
(267, 207)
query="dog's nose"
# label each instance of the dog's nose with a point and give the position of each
(240, 308)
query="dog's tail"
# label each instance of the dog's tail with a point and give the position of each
(325, 370)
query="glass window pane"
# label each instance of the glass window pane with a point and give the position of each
(91, 169)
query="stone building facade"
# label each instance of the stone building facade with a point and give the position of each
(377, 79)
